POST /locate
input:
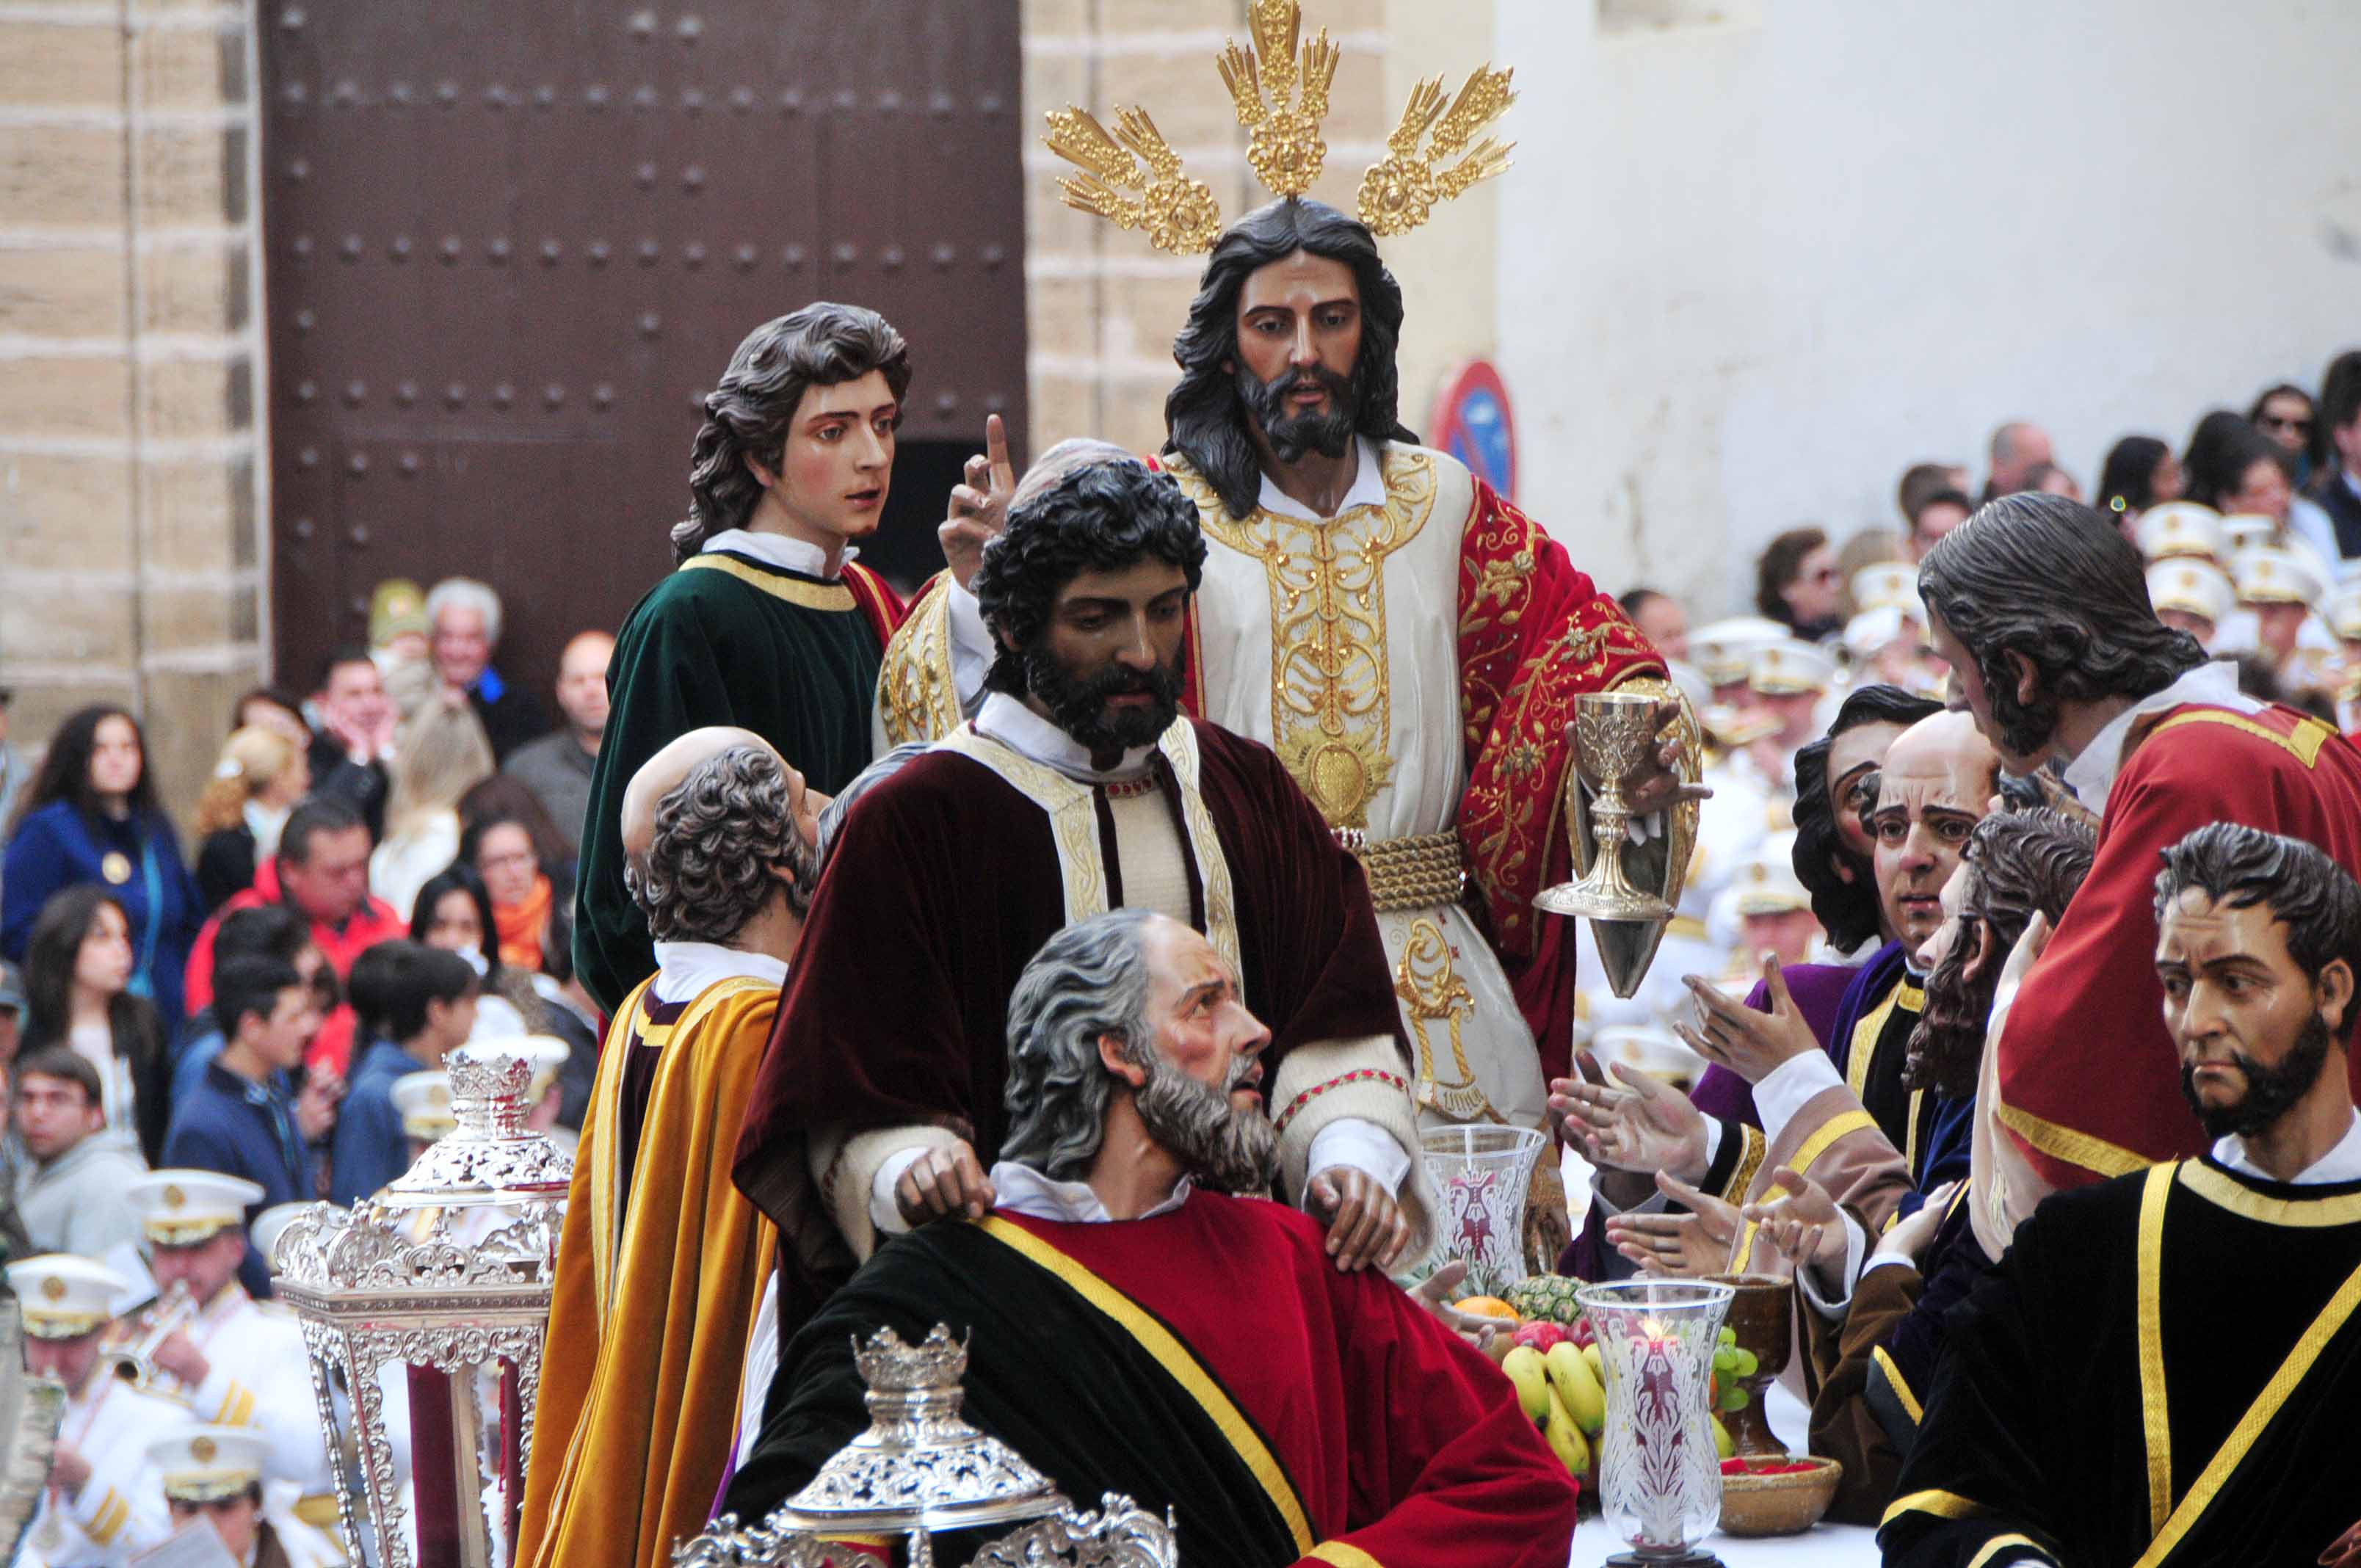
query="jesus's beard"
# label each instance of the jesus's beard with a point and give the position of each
(1292, 435)
(1221, 1147)
(2271, 1091)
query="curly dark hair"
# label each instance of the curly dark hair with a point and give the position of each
(1847, 910)
(1088, 980)
(2018, 863)
(2237, 867)
(1204, 419)
(65, 773)
(1099, 516)
(748, 414)
(718, 833)
(2052, 579)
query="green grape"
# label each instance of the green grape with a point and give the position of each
(1746, 1364)
(1724, 1360)
(1733, 1398)
(1729, 1336)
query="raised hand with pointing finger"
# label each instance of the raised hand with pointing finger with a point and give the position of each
(979, 508)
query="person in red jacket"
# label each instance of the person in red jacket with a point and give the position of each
(322, 871)
(2042, 611)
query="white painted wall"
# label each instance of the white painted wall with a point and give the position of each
(1748, 272)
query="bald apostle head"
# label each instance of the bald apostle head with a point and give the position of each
(1937, 784)
(1087, 597)
(719, 831)
(1132, 1056)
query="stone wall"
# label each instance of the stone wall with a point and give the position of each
(131, 540)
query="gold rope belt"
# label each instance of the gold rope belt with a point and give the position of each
(1423, 871)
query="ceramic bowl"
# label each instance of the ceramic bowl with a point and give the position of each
(1779, 1505)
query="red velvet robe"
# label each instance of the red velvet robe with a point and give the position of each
(1122, 1355)
(2089, 1080)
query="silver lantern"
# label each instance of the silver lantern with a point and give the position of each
(921, 1469)
(425, 1309)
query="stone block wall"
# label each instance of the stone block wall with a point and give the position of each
(131, 547)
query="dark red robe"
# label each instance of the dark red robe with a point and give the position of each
(2089, 1080)
(1212, 1361)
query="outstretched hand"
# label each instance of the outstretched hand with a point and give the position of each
(1908, 1238)
(1694, 1244)
(979, 508)
(1645, 1127)
(1365, 1225)
(1749, 1044)
(1801, 1222)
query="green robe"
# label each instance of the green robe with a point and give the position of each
(724, 640)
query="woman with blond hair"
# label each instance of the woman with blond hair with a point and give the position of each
(439, 753)
(260, 778)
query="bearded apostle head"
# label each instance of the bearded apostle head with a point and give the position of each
(1087, 594)
(2037, 602)
(2258, 944)
(719, 831)
(1289, 348)
(802, 426)
(2017, 862)
(1129, 1029)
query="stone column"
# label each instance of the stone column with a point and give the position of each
(131, 544)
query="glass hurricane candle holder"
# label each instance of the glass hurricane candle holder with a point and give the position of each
(1659, 1477)
(1484, 1174)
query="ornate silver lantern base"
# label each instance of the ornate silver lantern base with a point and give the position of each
(921, 1470)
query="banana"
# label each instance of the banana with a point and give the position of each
(1566, 1439)
(1598, 1368)
(1723, 1447)
(1573, 1381)
(1531, 1375)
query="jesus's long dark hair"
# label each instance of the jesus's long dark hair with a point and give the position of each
(1203, 418)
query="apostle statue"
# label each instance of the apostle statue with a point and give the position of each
(2041, 609)
(2164, 1367)
(661, 1264)
(1078, 787)
(1406, 640)
(1137, 1323)
(766, 622)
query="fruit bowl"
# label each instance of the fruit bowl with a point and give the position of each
(1771, 1498)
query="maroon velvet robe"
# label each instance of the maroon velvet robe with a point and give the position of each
(941, 887)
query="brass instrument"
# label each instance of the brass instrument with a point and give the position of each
(135, 1359)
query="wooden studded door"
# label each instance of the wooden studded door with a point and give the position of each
(510, 247)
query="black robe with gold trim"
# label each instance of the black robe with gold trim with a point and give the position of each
(2166, 1368)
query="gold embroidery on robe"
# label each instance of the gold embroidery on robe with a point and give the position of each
(1431, 992)
(1330, 703)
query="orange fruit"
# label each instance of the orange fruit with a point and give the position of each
(1485, 1306)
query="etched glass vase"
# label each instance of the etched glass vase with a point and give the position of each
(1483, 1174)
(1659, 1478)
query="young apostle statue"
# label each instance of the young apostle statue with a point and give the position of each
(767, 623)
(1406, 640)
(1137, 1323)
(2041, 609)
(1078, 787)
(662, 1265)
(2163, 1369)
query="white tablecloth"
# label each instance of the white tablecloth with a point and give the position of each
(1824, 1545)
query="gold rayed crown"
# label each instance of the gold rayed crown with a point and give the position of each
(1131, 178)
